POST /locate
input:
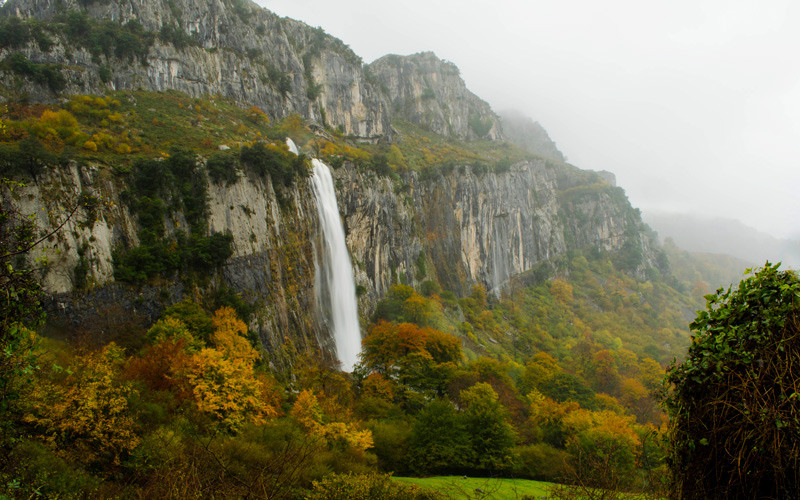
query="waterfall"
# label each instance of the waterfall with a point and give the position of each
(336, 291)
(292, 146)
(335, 275)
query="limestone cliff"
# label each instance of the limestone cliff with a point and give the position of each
(429, 92)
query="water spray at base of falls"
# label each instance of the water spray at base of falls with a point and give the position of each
(336, 290)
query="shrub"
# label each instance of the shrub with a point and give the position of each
(734, 405)
(171, 33)
(222, 168)
(480, 126)
(43, 74)
(541, 461)
(366, 487)
(108, 38)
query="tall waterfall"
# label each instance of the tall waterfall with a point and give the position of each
(336, 291)
(335, 275)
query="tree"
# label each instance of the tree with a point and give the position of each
(308, 412)
(487, 424)
(734, 405)
(439, 440)
(86, 413)
(225, 385)
(388, 346)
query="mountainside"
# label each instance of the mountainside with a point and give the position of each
(724, 236)
(529, 135)
(418, 207)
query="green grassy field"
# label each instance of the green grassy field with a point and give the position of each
(457, 487)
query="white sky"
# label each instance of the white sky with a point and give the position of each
(693, 104)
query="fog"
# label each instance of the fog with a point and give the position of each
(694, 106)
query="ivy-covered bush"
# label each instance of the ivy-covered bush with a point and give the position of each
(734, 403)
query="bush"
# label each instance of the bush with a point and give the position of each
(43, 74)
(171, 33)
(108, 38)
(39, 472)
(366, 487)
(222, 168)
(282, 167)
(734, 405)
(542, 462)
(28, 158)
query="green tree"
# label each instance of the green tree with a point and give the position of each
(486, 421)
(439, 440)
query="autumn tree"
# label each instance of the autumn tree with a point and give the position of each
(421, 359)
(84, 411)
(309, 414)
(224, 383)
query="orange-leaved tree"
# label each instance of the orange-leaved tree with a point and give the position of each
(422, 359)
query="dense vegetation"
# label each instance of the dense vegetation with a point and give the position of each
(531, 385)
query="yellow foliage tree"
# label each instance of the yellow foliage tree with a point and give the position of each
(86, 414)
(308, 413)
(230, 336)
(223, 380)
(561, 290)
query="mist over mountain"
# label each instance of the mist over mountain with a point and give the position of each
(727, 236)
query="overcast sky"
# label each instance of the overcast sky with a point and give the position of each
(694, 105)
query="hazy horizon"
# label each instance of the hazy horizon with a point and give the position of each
(694, 107)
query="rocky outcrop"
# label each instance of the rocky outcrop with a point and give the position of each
(482, 229)
(429, 92)
(233, 48)
(529, 135)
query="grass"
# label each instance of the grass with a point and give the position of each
(459, 487)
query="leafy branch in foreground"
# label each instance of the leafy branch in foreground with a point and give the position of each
(734, 403)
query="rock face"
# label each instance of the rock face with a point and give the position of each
(429, 92)
(529, 135)
(237, 49)
(460, 229)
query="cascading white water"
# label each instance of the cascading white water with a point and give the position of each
(291, 145)
(336, 272)
(336, 291)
